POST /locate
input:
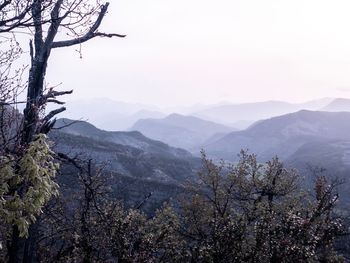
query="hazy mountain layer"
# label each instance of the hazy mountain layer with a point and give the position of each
(187, 132)
(283, 135)
(125, 153)
(109, 114)
(242, 115)
(113, 115)
(338, 105)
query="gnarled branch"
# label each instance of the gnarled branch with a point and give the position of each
(92, 33)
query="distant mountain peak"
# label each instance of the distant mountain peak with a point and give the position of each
(181, 118)
(337, 100)
(175, 115)
(337, 105)
(178, 130)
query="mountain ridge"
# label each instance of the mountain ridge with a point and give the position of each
(187, 132)
(283, 135)
(338, 105)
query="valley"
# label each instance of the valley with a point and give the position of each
(165, 151)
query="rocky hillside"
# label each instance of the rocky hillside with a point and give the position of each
(138, 166)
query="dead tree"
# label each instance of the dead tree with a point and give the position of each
(80, 21)
(64, 16)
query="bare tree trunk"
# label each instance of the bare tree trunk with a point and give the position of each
(15, 249)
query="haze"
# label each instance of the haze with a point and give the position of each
(204, 51)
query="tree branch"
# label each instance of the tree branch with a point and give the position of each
(54, 113)
(55, 23)
(90, 34)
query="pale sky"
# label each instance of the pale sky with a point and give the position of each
(181, 52)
